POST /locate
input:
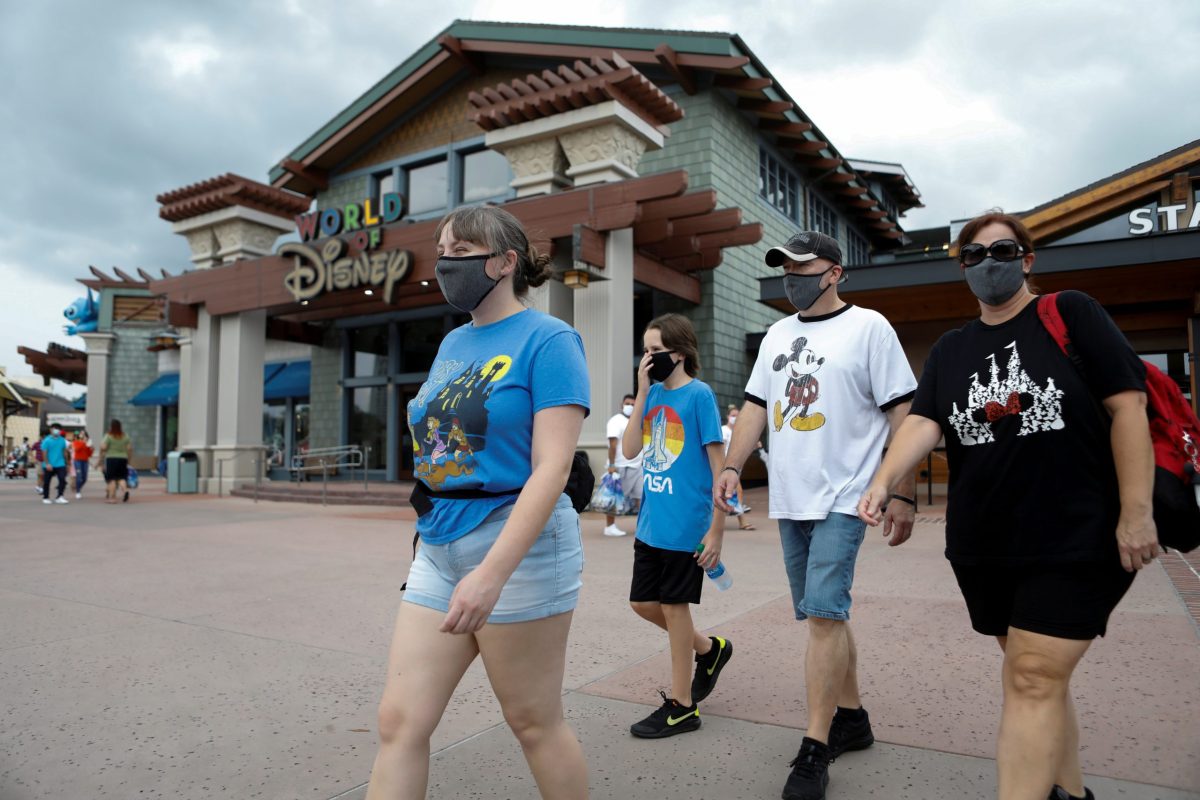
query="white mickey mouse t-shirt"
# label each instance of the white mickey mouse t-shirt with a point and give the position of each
(825, 383)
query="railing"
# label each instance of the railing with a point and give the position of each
(326, 458)
(258, 461)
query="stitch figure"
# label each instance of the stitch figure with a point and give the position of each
(802, 389)
(83, 314)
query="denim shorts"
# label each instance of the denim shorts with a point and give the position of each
(819, 555)
(545, 583)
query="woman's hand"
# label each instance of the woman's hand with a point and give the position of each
(472, 601)
(871, 504)
(712, 549)
(1137, 539)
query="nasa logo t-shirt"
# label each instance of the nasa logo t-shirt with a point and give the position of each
(677, 479)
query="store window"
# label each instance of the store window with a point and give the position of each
(384, 182)
(369, 348)
(821, 216)
(857, 250)
(778, 185)
(275, 434)
(428, 187)
(485, 175)
(419, 342)
(368, 424)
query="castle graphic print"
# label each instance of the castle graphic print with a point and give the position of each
(1038, 407)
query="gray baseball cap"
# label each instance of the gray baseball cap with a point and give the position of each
(805, 246)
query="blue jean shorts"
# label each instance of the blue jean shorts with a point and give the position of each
(819, 555)
(545, 583)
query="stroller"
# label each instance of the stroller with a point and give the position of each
(16, 468)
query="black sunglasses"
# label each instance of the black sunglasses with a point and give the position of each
(1003, 250)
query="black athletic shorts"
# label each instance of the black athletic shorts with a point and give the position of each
(1067, 601)
(664, 576)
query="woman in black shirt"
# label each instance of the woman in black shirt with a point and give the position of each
(1049, 508)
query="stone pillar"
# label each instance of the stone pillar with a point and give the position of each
(604, 319)
(198, 353)
(243, 343)
(537, 166)
(99, 348)
(230, 234)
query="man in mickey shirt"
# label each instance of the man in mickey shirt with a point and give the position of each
(831, 383)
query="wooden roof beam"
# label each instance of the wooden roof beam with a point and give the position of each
(805, 146)
(765, 106)
(657, 230)
(795, 130)
(453, 46)
(674, 248)
(736, 84)
(657, 276)
(737, 237)
(669, 60)
(825, 163)
(317, 178)
(705, 259)
(689, 205)
(721, 220)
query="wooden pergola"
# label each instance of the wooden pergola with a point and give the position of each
(675, 235)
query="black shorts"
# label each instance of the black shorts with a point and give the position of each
(664, 576)
(1067, 601)
(116, 469)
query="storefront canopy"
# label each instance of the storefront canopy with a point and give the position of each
(164, 391)
(280, 381)
(291, 381)
(80, 403)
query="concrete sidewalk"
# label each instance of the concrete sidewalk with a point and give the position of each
(188, 647)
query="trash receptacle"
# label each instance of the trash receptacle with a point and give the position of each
(183, 472)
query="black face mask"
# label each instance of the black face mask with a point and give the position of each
(661, 365)
(464, 280)
(804, 290)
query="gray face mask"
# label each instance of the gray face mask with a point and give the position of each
(464, 281)
(803, 290)
(995, 282)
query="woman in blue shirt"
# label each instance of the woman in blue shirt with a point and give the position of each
(494, 431)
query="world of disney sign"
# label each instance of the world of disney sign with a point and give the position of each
(330, 266)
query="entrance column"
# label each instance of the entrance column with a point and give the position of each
(238, 452)
(99, 347)
(604, 319)
(198, 354)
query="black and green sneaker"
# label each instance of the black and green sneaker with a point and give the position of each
(669, 720)
(709, 666)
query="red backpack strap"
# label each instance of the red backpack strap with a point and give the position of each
(1047, 310)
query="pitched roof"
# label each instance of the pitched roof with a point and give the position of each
(683, 55)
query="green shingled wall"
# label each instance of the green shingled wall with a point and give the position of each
(719, 149)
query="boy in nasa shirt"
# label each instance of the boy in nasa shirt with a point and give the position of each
(677, 423)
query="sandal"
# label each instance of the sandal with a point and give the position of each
(746, 527)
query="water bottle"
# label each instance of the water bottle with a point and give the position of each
(718, 573)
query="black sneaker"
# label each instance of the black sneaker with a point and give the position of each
(669, 720)
(709, 666)
(1059, 793)
(851, 730)
(810, 772)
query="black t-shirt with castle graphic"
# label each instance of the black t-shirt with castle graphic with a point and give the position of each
(1027, 439)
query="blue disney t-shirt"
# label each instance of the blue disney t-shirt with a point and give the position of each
(472, 422)
(677, 504)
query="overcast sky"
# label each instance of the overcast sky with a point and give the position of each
(105, 105)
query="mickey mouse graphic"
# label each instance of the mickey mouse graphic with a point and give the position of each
(802, 390)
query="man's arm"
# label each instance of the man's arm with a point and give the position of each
(907, 485)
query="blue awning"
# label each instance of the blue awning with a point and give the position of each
(291, 381)
(164, 391)
(81, 403)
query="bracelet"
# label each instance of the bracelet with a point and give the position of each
(736, 471)
(904, 499)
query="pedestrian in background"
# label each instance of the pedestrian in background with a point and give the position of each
(81, 454)
(54, 450)
(738, 505)
(627, 470)
(116, 449)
